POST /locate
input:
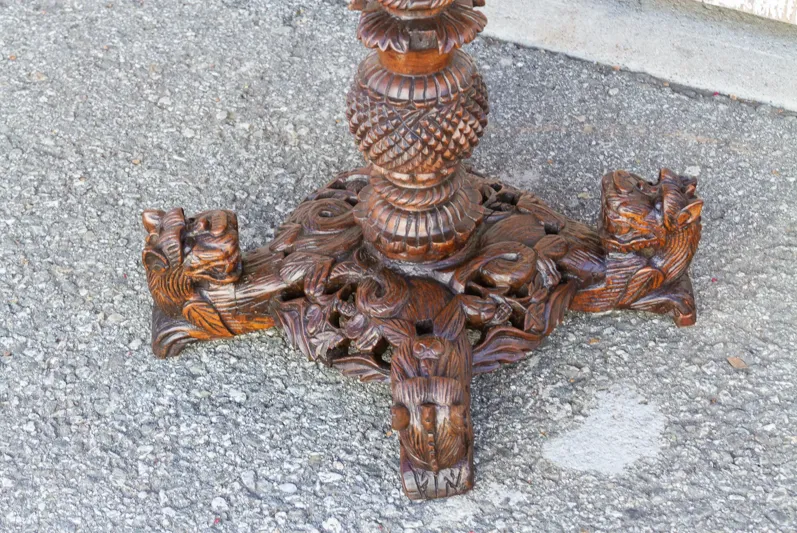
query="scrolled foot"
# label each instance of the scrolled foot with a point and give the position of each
(170, 335)
(676, 299)
(202, 286)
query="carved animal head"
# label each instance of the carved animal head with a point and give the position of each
(202, 248)
(639, 215)
(430, 410)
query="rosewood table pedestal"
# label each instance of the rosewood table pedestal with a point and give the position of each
(416, 270)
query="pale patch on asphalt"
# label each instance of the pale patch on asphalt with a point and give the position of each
(620, 430)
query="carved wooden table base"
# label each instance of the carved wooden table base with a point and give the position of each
(416, 270)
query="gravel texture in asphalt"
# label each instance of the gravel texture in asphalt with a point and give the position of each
(110, 107)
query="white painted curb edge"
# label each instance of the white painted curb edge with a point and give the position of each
(685, 43)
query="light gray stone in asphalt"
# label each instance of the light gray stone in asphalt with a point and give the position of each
(98, 435)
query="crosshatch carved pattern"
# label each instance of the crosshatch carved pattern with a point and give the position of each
(417, 124)
(415, 270)
(410, 126)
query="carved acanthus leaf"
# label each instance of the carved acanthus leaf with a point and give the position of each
(413, 5)
(503, 345)
(364, 366)
(286, 237)
(203, 315)
(379, 29)
(453, 28)
(308, 330)
(298, 264)
(451, 320)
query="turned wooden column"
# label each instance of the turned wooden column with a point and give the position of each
(418, 106)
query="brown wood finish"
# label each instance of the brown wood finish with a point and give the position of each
(385, 271)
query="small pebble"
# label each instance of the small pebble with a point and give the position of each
(329, 477)
(219, 505)
(288, 488)
(237, 396)
(693, 171)
(332, 525)
(197, 370)
(249, 479)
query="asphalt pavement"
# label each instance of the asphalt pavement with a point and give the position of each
(619, 422)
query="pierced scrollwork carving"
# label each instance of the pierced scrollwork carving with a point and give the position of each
(527, 290)
(204, 288)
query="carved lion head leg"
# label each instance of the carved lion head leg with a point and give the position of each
(431, 374)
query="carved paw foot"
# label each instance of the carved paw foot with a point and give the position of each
(170, 335)
(676, 299)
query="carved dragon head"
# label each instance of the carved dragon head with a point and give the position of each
(201, 248)
(639, 215)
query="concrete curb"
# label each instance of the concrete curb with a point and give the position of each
(700, 46)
